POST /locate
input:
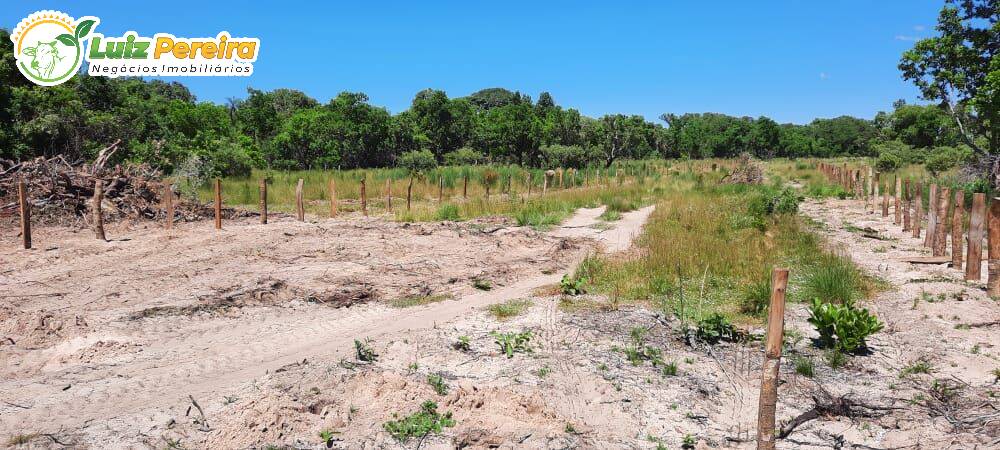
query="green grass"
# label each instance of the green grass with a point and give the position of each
(407, 302)
(804, 366)
(508, 309)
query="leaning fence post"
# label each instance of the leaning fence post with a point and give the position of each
(98, 217)
(168, 199)
(768, 400)
(300, 209)
(977, 222)
(907, 205)
(957, 226)
(333, 198)
(899, 199)
(218, 204)
(263, 201)
(409, 192)
(931, 215)
(941, 225)
(388, 194)
(25, 208)
(364, 198)
(993, 243)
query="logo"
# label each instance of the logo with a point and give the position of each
(49, 49)
(48, 46)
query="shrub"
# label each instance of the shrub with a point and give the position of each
(887, 162)
(572, 286)
(364, 351)
(715, 328)
(843, 327)
(669, 369)
(767, 201)
(420, 423)
(756, 296)
(228, 160)
(437, 382)
(481, 284)
(417, 160)
(464, 156)
(448, 211)
(566, 156)
(512, 342)
(942, 159)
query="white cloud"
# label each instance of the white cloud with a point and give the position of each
(901, 37)
(918, 28)
(823, 75)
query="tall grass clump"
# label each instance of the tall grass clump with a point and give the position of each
(834, 279)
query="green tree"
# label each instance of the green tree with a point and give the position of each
(960, 69)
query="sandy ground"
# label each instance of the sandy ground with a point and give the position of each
(104, 342)
(274, 371)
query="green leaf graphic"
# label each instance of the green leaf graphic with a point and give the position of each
(67, 39)
(83, 28)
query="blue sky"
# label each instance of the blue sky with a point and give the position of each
(790, 60)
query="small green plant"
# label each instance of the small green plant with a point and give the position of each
(996, 375)
(543, 371)
(448, 211)
(921, 366)
(688, 442)
(804, 366)
(508, 309)
(364, 351)
(843, 327)
(327, 437)
(715, 328)
(669, 369)
(437, 382)
(572, 286)
(481, 284)
(420, 423)
(20, 439)
(636, 350)
(229, 399)
(462, 344)
(513, 342)
(570, 429)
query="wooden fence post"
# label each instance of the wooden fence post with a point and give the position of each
(333, 198)
(768, 400)
(898, 196)
(931, 215)
(957, 228)
(465, 186)
(527, 182)
(262, 188)
(545, 183)
(907, 205)
(977, 222)
(409, 192)
(168, 198)
(885, 204)
(993, 243)
(98, 217)
(876, 182)
(364, 199)
(300, 209)
(441, 189)
(388, 194)
(218, 204)
(25, 209)
(941, 225)
(918, 209)
(559, 173)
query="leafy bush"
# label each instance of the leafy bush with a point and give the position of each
(843, 327)
(887, 162)
(566, 156)
(942, 159)
(715, 328)
(420, 423)
(437, 382)
(767, 201)
(462, 344)
(364, 351)
(464, 156)
(448, 211)
(417, 160)
(512, 342)
(572, 286)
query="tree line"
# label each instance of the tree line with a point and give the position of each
(163, 124)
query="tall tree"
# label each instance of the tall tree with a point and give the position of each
(960, 69)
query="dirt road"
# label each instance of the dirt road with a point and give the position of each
(116, 336)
